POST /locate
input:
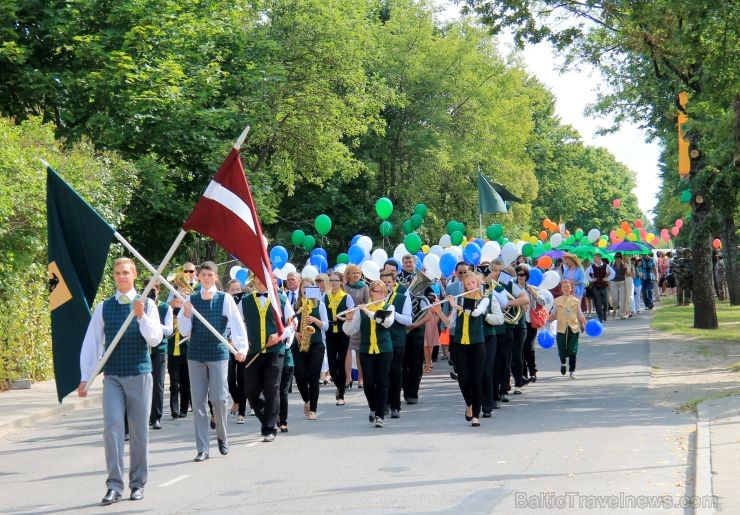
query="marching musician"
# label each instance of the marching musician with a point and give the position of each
(159, 356)
(373, 323)
(311, 313)
(177, 366)
(236, 373)
(402, 319)
(413, 356)
(127, 382)
(337, 342)
(493, 331)
(391, 265)
(208, 356)
(266, 354)
(466, 322)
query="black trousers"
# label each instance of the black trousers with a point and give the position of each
(307, 372)
(375, 371)
(263, 377)
(158, 366)
(336, 353)
(235, 378)
(601, 302)
(177, 368)
(286, 378)
(502, 364)
(395, 377)
(489, 388)
(528, 354)
(517, 362)
(413, 363)
(470, 361)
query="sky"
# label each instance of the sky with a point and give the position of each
(574, 91)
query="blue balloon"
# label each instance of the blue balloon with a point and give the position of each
(419, 260)
(545, 339)
(241, 276)
(320, 252)
(535, 277)
(471, 253)
(436, 290)
(320, 262)
(479, 242)
(354, 239)
(447, 264)
(356, 254)
(594, 328)
(278, 256)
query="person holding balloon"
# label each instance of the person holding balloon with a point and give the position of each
(570, 323)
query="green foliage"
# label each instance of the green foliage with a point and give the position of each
(25, 345)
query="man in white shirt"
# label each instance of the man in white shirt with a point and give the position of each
(127, 385)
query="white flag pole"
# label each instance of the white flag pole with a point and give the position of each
(157, 274)
(176, 293)
(241, 138)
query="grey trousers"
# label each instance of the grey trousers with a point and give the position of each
(132, 396)
(208, 382)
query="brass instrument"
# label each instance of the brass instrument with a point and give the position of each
(306, 330)
(512, 314)
(178, 279)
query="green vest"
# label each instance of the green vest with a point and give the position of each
(383, 335)
(252, 319)
(474, 329)
(398, 330)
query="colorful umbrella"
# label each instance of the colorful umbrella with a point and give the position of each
(627, 248)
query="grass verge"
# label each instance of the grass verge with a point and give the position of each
(692, 404)
(680, 320)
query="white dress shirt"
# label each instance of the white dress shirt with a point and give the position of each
(350, 327)
(481, 308)
(93, 346)
(239, 338)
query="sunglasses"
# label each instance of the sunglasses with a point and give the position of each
(522, 275)
(378, 291)
(188, 271)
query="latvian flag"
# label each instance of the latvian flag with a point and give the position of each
(226, 213)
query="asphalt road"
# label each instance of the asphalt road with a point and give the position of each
(591, 445)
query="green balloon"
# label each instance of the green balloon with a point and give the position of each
(584, 240)
(297, 237)
(343, 258)
(579, 234)
(416, 220)
(451, 227)
(570, 240)
(456, 237)
(408, 227)
(322, 224)
(494, 232)
(384, 207)
(527, 249)
(386, 229)
(460, 227)
(420, 210)
(538, 252)
(309, 242)
(547, 246)
(412, 242)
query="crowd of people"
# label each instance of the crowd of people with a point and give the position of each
(225, 353)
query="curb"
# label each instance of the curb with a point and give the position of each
(31, 420)
(703, 475)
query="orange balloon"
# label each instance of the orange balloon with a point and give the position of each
(545, 262)
(638, 223)
(546, 223)
(567, 233)
(543, 235)
(625, 227)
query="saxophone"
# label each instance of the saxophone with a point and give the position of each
(306, 330)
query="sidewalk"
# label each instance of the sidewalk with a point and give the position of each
(24, 408)
(718, 453)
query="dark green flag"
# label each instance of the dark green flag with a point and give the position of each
(489, 201)
(79, 241)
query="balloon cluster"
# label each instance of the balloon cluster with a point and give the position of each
(239, 273)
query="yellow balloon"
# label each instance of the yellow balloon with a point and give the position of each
(425, 249)
(602, 243)
(650, 237)
(620, 233)
(525, 236)
(631, 237)
(464, 243)
(533, 240)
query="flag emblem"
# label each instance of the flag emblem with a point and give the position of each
(58, 291)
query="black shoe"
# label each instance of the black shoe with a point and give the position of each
(504, 398)
(450, 362)
(156, 424)
(175, 414)
(213, 422)
(371, 417)
(395, 413)
(126, 437)
(284, 428)
(533, 379)
(562, 370)
(201, 456)
(349, 385)
(111, 496)
(486, 414)
(223, 447)
(453, 375)
(412, 400)
(137, 494)
(496, 405)
(182, 414)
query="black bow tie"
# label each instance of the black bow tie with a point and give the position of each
(262, 294)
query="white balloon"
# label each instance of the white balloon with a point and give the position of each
(366, 243)
(519, 245)
(593, 235)
(437, 250)
(400, 252)
(340, 268)
(445, 241)
(309, 272)
(550, 280)
(371, 270)
(555, 240)
(234, 269)
(457, 250)
(431, 265)
(282, 273)
(509, 253)
(380, 256)
(490, 251)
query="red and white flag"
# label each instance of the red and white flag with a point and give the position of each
(226, 213)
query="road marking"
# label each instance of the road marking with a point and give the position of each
(173, 481)
(251, 444)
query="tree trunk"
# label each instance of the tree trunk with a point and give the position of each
(731, 259)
